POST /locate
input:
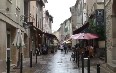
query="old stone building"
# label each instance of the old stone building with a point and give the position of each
(35, 18)
(78, 16)
(110, 8)
(10, 12)
(26, 15)
(110, 19)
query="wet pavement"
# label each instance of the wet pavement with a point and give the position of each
(53, 63)
(57, 63)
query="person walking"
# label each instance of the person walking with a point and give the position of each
(65, 48)
(61, 47)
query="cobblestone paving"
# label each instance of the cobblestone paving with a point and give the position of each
(53, 63)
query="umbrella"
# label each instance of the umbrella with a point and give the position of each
(19, 43)
(84, 36)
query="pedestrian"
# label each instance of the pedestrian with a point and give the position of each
(86, 54)
(44, 49)
(65, 48)
(91, 51)
(40, 49)
(37, 51)
(61, 47)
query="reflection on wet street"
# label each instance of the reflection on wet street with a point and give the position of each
(56, 63)
(59, 62)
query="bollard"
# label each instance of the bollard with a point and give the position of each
(76, 56)
(30, 58)
(98, 68)
(82, 63)
(88, 64)
(78, 59)
(36, 56)
(8, 64)
(65, 51)
(21, 66)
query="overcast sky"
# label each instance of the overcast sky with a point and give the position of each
(60, 11)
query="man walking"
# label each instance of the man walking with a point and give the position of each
(65, 48)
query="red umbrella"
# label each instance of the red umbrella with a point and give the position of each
(84, 36)
(74, 36)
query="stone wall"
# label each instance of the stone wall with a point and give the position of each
(2, 46)
(109, 31)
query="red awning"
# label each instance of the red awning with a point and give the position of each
(86, 36)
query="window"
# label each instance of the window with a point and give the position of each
(40, 24)
(18, 5)
(100, 0)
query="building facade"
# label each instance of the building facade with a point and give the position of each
(62, 26)
(67, 29)
(110, 18)
(10, 13)
(40, 31)
(28, 16)
(57, 34)
(79, 16)
(47, 21)
(47, 27)
(110, 33)
(36, 9)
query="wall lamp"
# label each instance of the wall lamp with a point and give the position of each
(25, 23)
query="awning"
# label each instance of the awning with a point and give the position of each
(38, 30)
(81, 28)
(50, 35)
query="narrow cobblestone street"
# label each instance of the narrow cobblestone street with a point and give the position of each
(53, 63)
(57, 63)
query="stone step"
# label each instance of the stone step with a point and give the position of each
(112, 67)
(106, 69)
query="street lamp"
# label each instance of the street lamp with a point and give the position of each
(25, 23)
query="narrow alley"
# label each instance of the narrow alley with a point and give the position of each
(58, 62)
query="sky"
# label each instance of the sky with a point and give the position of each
(60, 10)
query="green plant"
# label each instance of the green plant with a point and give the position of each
(97, 29)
